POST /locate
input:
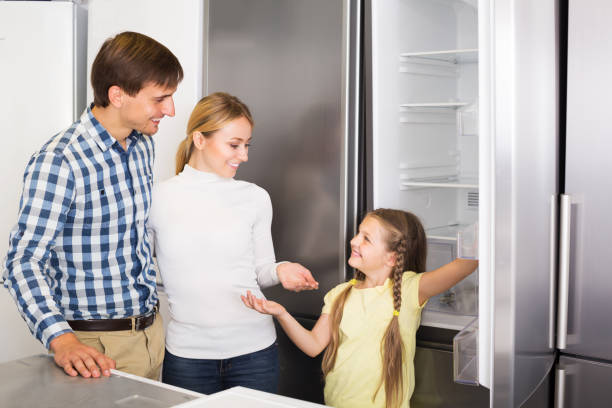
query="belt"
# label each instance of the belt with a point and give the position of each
(133, 323)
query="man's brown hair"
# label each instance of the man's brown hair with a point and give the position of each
(131, 61)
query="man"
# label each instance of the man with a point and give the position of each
(79, 259)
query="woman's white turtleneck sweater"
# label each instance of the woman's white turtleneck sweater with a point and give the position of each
(213, 243)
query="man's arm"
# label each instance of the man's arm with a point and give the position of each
(47, 195)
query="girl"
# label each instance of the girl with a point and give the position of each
(368, 325)
(212, 242)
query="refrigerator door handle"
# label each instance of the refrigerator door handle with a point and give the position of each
(553, 270)
(559, 388)
(564, 269)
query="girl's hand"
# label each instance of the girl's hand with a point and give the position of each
(295, 277)
(262, 305)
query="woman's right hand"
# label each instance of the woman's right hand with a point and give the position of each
(262, 305)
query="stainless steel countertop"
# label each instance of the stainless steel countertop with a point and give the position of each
(37, 382)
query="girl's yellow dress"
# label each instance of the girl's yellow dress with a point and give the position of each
(367, 312)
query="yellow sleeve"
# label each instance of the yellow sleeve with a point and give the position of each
(410, 292)
(331, 296)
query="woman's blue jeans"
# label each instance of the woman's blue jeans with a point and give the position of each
(258, 370)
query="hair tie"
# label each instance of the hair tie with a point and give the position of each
(395, 313)
(353, 281)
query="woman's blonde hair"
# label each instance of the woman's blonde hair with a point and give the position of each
(405, 236)
(211, 113)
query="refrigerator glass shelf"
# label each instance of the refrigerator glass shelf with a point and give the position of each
(447, 233)
(469, 183)
(433, 318)
(462, 56)
(432, 106)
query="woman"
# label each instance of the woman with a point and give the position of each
(213, 242)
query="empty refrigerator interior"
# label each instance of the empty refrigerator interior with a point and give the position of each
(425, 139)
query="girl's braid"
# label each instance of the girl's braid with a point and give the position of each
(397, 273)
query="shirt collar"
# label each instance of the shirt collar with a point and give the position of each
(380, 288)
(191, 174)
(99, 134)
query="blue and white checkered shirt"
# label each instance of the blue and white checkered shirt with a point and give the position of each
(80, 248)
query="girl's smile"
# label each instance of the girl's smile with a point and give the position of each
(369, 252)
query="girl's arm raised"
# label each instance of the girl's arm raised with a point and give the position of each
(439, 280)
(311, 342)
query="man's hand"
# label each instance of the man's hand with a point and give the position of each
(295, 277)
(77, 358)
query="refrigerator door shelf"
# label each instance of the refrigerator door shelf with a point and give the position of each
(465, 355)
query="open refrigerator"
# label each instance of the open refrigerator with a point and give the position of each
(426, 143)
(425, 152)
(463, 133)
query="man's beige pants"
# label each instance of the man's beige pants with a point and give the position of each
(135, 352)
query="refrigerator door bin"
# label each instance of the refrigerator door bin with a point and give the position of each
(465, 355)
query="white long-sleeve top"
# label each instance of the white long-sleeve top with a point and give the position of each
(213, 242)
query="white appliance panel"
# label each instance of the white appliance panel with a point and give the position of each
(37, 74)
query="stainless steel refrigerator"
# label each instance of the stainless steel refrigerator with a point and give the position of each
(584, 371)
(446, 108)
(463, 128)
(295, 63)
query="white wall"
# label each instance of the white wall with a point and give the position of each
(177, 24)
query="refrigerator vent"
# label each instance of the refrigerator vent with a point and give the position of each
(472, 200)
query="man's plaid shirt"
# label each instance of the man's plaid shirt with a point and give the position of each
(80, 248)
